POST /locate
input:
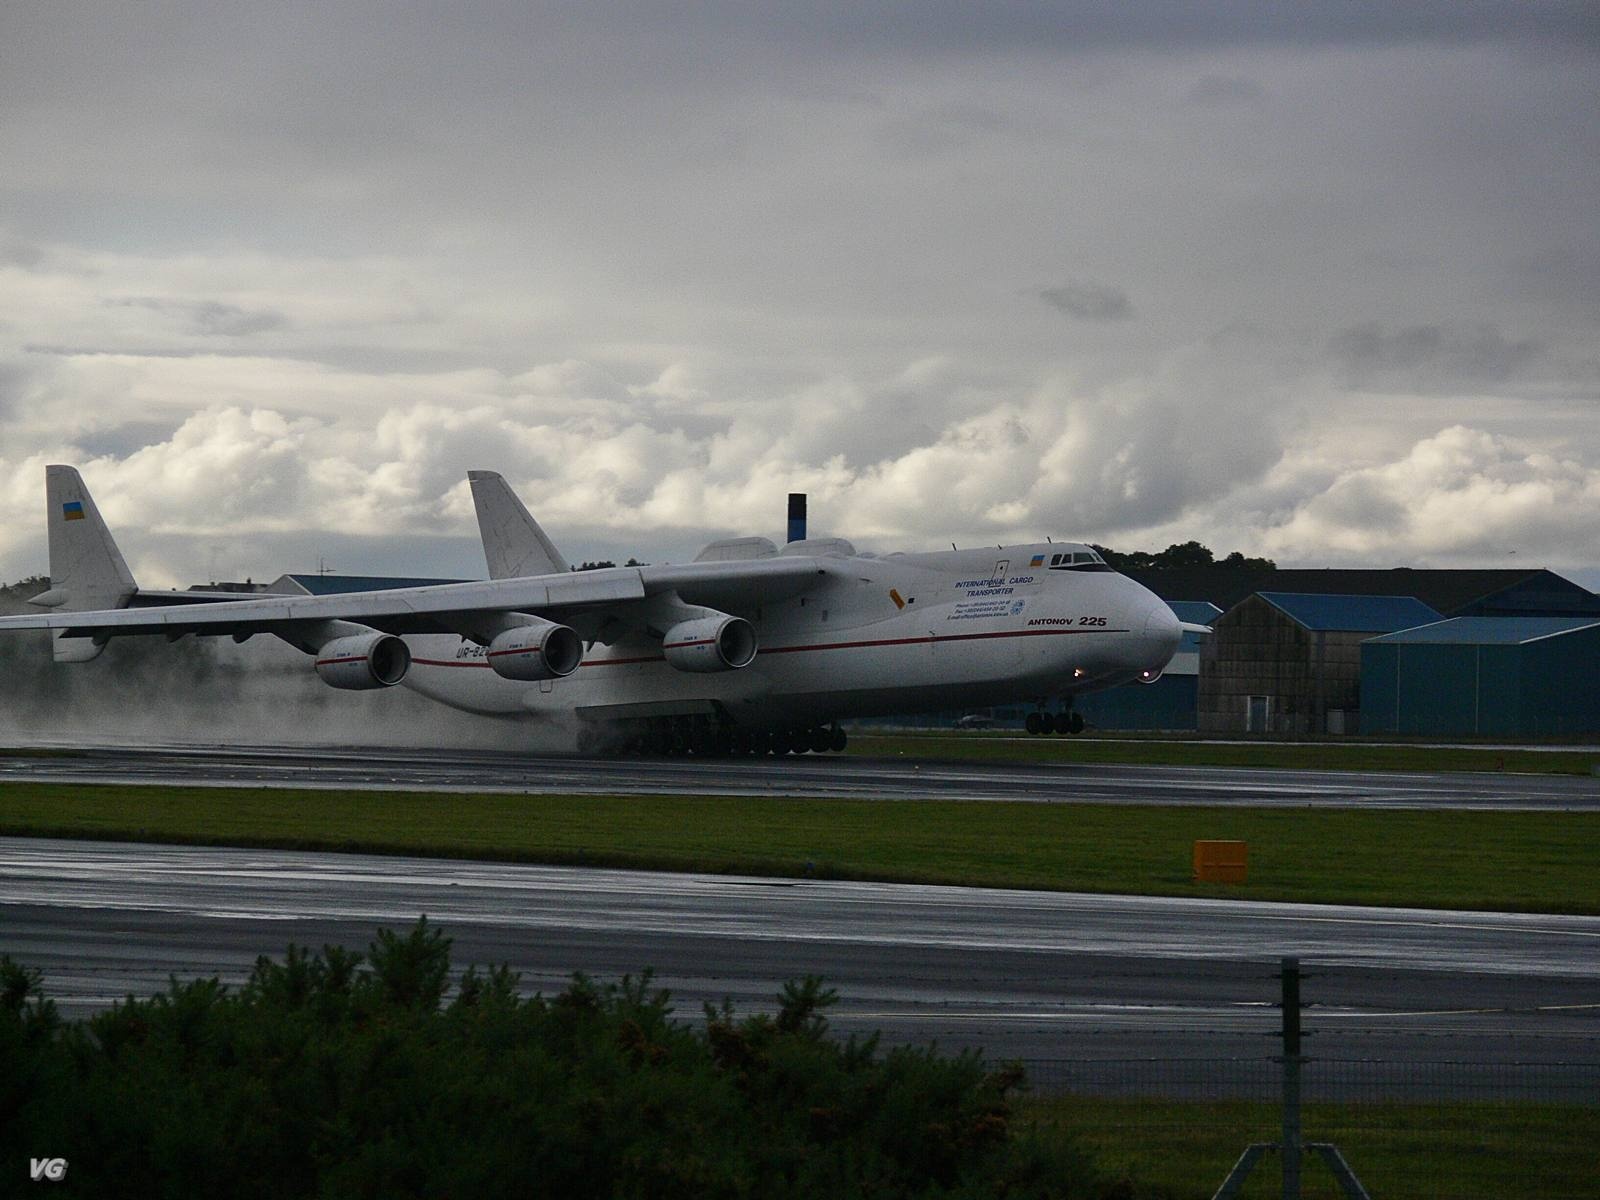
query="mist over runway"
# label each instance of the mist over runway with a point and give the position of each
(1026, 974)
(810, 776)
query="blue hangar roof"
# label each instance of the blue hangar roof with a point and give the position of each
(1491, 631)
(1351, 614)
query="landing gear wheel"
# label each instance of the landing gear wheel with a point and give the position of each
(1047, 723)
(820, 741)
(838, 740)
(1034, 723)
(1074, 722)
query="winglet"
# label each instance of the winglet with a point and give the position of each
(87, 571)
(513, 543)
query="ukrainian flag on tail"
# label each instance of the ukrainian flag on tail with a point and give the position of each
(72, 510)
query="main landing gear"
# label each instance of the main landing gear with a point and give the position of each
(1048, 722)
(699, 736)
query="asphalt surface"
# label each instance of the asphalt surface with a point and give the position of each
(1175, 994)
(807, 776)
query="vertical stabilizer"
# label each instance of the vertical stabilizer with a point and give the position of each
(513, 543)
(87, 570)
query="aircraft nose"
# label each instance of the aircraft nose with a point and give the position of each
(1159, 638)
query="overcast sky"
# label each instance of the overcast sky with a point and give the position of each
(1318, 282)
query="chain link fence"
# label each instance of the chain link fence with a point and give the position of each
(1434, 1130)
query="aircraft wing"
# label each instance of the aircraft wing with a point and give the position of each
(454, 607)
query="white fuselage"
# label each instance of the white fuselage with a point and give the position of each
(902, 633)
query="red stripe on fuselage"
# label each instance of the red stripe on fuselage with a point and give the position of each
(933, 637)
(865, 645)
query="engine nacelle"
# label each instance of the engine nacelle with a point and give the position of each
(715, 643)
(543, 650)
(363, 661)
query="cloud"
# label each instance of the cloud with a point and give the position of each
(1223, 90)
(1430, 358)
(1089, 301)
(210, 318)
(1461, 495)
(277, 279)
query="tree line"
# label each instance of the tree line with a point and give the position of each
(1179, 556)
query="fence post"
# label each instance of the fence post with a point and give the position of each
(1289, 1146)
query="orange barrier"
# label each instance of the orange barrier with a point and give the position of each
(1220, 862)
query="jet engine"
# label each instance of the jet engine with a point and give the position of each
(718, 642)
(539, 650)
(363, 661)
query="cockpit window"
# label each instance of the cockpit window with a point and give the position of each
(1079, 560)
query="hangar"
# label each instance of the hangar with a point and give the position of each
(1290, 662)
(1487, 676)
(1450, 592)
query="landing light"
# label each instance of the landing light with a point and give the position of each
(1078, 672)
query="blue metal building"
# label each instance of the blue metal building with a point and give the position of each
(1484, 676)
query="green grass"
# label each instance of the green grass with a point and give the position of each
(1398, 1151)
(1168, 752)
(1474, 860)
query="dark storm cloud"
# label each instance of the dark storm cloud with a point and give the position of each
(1085, 300)
(68, 351)
(12, 378)
(1430, 358)
(1223, 89)
(119, 441)
(1180, 24)
(15, 253)
(210, 318)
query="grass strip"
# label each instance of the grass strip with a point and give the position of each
(1510, 1151)
(1143, 751)
(1522, 861)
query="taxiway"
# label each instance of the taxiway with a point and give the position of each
(1038, 976)
(388, 768)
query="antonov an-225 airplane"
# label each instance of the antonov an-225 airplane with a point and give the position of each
(748, 648)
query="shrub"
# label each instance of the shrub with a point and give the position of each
(330, 1074)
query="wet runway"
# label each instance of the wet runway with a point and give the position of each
(1041, 976)
(807, 776)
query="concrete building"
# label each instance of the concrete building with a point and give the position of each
(1285, 662)
(1484, 676)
